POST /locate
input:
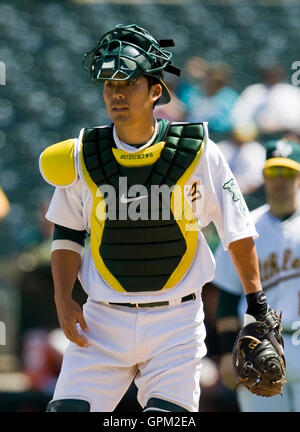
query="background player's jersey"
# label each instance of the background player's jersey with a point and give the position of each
(221, 203)
(278, 249)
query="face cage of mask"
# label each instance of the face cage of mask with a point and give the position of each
(97, 59)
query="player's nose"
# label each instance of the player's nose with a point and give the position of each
(118, 92)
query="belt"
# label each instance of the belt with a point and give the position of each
(154, 304)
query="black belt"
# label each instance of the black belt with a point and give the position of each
(163, 303)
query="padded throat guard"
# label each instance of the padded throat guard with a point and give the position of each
(57, 164)
(150, 253)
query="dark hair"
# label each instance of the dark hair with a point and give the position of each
(151, 80)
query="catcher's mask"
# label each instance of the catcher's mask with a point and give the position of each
(128, 52)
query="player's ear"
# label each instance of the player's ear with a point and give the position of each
(156, 92)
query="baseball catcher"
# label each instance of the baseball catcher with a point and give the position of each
(258, 355)
(147, 259)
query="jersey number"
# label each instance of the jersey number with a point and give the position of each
(194, 193)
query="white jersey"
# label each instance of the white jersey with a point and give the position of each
(222, 203)
(246, 162)
(278, 249)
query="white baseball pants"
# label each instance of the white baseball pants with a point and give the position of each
(161, 347)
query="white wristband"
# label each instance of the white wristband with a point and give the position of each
(66, 244)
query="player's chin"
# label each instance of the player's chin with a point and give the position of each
(119, 114)
(281, 194)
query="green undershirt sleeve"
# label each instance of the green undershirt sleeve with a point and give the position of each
(63, 233)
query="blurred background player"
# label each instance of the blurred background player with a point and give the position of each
(273, 105)
(4, 205)
(278, 248)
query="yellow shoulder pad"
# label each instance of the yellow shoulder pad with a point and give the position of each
(57, 164)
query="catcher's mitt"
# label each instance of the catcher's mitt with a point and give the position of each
(258, 356)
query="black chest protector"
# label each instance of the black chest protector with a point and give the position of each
(143, 254)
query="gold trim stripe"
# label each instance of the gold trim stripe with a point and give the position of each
(285, 162)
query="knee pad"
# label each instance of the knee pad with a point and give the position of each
(68, 405)
(156, 404)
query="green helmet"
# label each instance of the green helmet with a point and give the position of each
(128, 52)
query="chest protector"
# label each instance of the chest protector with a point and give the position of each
(152, 247)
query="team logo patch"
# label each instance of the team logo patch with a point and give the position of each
(125, 200)
(232, 187)
(283, 149)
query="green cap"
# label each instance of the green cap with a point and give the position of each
(283, 153)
